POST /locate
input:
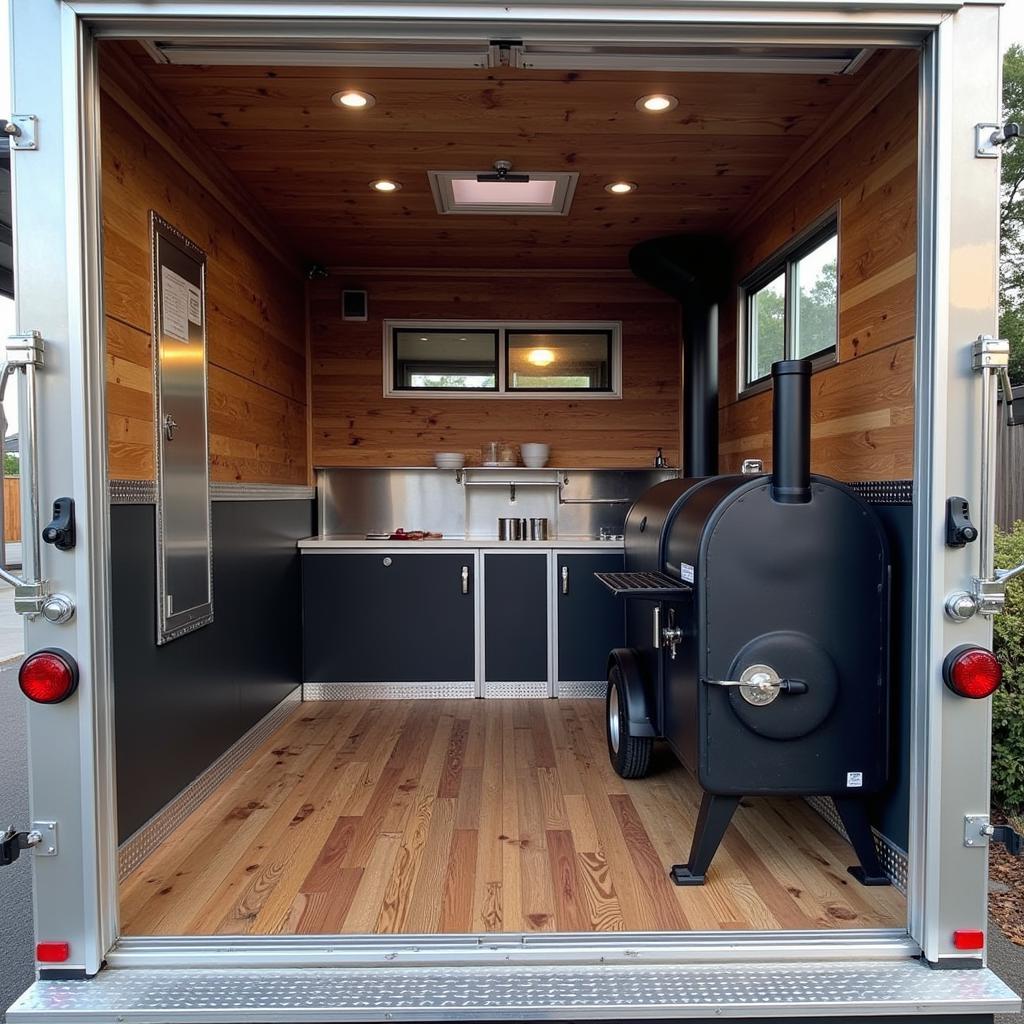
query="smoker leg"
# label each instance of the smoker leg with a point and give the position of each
(854, 814)
(712, 821)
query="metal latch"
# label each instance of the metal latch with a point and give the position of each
(32, 595)
(979, 831)
(22, 131)
(989, 137)
(990, 357)
(41, 838)
(505, 53)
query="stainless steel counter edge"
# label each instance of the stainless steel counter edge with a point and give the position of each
(313, 544)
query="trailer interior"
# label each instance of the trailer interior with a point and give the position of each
(324, 757)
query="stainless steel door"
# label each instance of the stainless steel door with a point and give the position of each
(184, 583)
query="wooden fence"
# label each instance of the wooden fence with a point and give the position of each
(1010, 478)
(12, 508)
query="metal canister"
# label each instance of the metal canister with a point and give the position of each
(510, 528)
(539, 528)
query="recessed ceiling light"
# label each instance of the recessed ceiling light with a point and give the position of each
(657, 103)
(540, 356)
(385, 185)
(620, 188)
(353, 99)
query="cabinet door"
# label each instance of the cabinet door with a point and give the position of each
(388, 617)
(591, 620)
(515, 617)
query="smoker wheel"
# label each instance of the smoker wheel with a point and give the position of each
(656, 585)
(630, 755)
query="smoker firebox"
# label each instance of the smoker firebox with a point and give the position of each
(758, 632)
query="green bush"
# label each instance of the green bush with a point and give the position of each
(1008, 702)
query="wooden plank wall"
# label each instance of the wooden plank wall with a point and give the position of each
(254, 297)
(354, 425)
(863, 407)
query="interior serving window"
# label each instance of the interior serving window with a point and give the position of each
(542, 359)
(558, 360)
(445, 360)
(790, 305)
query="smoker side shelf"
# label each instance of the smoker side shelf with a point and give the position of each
(650, 585)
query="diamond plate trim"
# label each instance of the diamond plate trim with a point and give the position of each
(892, 858)
(582, 688)
(515, 993)
(138, 846)
(885, 492)
(388, 691)
(132, 492)
(520, 689)
(261, 492)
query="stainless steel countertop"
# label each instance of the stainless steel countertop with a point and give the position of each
(345, 542)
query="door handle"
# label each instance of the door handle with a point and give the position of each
(465, 579)
(32, 596)
(169, 427)
(565, 579)
(987, 595)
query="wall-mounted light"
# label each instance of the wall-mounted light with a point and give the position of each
(540, 356)
(353, 99)
(657, 103)
(620, 188)
(385, 185)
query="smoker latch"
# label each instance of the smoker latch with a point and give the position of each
(761, 684)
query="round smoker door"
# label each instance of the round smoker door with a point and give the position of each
(793, 656)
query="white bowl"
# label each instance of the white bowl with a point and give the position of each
(449, 460)
(534, 455)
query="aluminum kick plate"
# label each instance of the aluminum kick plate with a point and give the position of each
(124, 996)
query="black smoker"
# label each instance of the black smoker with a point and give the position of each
(759, 646)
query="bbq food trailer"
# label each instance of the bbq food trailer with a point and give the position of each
(292, 761)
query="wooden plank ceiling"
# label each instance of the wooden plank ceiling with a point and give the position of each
(309, 162)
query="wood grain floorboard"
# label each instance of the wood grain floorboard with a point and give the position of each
(412, 817)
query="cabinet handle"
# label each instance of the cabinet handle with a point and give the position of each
(465, 579)
(565, 579)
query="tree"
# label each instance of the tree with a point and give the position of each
(1011, 217)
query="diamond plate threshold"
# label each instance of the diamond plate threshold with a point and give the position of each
(871, 988)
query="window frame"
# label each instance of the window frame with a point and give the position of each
(784, 262)
(502, 328)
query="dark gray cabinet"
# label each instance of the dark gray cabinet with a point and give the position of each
(591, 620)
(388, 617)
(516, 587)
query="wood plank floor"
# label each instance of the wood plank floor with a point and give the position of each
(479, 816)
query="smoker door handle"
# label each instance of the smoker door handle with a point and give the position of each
(794, 686)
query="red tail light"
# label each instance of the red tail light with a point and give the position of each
(48, 676)
(53, 952)
(967, 939)
(972, 671)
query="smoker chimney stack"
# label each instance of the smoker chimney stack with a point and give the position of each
(791, 431)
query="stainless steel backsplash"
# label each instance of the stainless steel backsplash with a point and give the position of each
(577, 502)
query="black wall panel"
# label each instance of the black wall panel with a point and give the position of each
(178, 707)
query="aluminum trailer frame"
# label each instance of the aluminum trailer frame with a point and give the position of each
(58, 267)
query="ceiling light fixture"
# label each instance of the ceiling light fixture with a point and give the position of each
(657, 103)
(540, 356)
(353, 99)
(385, 185)
(620, 188)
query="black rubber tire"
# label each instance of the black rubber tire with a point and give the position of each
(632, 759)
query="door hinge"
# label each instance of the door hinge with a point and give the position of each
(22, 131)
(41, 838)
(979, 831)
